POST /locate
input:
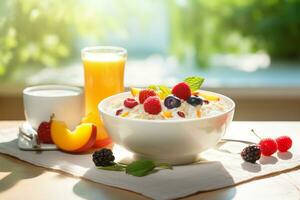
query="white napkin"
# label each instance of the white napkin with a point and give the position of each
(219, 168)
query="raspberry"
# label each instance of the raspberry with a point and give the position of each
(103, 157)
(268, 146)
(144, 94)
(251, 153)
(182, 91)
(152, 105)
(284, 143)
(130, 103)
(44, 132)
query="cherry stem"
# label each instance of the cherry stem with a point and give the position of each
(255, 134)
(52, 116)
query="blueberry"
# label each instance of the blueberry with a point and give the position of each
(195, 101)
(172, 102)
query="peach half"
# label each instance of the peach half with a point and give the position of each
(77, 141)
(102, 139)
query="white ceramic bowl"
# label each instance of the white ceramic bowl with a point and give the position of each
(172, 141)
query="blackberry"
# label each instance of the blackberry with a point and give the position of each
(103, 157)
(251, 153)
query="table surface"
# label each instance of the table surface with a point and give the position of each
(17, 178)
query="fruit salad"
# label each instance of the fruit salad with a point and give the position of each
(183, 101)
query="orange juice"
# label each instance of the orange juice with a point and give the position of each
(104, 76)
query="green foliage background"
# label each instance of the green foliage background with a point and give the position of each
(235, 26)
(274, 25)
(36, 34)
(44, 33)
(200, 27)
(31, 36)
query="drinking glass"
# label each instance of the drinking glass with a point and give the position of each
(103, 77)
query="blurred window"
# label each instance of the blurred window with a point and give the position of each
(234, 43)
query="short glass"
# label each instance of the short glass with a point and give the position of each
(103, 76)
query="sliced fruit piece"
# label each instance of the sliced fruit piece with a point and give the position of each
(207, 95)
(167, 114)
(198, 113)
(102, 136)
(79, 140)
(135, 91)
(107, 142)
(161, 95)
(125, 114)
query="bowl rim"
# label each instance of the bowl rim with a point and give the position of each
(27, 91)
(102, 111)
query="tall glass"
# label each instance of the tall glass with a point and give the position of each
(103, 76)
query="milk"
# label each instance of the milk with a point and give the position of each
(53, 92)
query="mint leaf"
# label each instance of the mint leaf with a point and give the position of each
(116, 167)
(140, 167)
(194, 82)
(137, 168)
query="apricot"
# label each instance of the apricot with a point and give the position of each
(79, 140)
(102, 137)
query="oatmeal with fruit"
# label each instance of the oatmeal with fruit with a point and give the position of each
(184, 100)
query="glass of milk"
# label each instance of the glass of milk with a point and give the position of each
(65, 102)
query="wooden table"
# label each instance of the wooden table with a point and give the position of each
(20, 180)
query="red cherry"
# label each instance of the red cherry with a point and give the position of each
(284, 143)
(268, 146)
(44, 131)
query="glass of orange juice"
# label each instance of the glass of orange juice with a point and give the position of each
(103, 76)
